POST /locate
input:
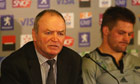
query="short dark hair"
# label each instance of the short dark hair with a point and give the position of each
(51, 11)
(114, 14)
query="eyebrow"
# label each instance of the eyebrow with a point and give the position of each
(58, 31)
(128, 32)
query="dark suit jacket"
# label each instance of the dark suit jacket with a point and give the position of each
(22, 67)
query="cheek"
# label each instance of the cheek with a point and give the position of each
(61, 40)
(115, 38)
(45, 40)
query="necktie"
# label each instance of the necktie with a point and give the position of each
(50, 78)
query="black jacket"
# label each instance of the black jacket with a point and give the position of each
(22, 67)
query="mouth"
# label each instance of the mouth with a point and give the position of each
(54, 46)
(124, 43)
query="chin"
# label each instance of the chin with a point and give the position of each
(122, 50)
(54, 53)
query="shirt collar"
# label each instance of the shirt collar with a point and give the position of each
(106, 54)
(43, 59)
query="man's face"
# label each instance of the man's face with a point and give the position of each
(119, 37)
(51, 35)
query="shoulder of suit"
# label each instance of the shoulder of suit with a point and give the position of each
(21, 51)
(66, 49)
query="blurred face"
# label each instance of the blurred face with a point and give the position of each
(119, 37)
(51, 35)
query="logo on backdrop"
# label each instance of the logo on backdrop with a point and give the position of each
(69, 17)
(25, 38)
(65, 2)
(84, 3)
(135, 2)
(104, 3)
(7, 22)
(2, 4)
(8, 43)
(21, 3)
(43, 3)
(26, 21)
(68, 41)
(84, 39)
(100, 19)
(121, 3)
(86, 19)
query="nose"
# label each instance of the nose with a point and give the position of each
(55, 37)
(127, 38)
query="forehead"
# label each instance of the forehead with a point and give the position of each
(50, 17)
(124, 26)
(51, 22)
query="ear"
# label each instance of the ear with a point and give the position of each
(33, 34)
(105, 30)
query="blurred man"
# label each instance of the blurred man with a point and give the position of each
(118, 66)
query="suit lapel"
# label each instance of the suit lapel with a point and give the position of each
(35, 72)
(63, 68)
(34, 65)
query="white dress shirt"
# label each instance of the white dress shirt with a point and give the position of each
(44, 66)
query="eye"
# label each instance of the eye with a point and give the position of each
(48, 33)
(61, 33)
(130, 34)
(121, 32)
